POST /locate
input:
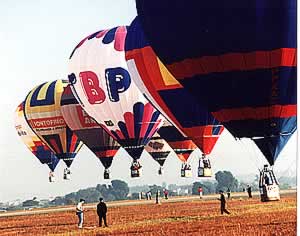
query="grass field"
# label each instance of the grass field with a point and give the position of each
(196, 217)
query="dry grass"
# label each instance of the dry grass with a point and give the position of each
(248, 217)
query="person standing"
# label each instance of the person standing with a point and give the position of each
(157, 197)
(228, 193)
(200, 191)
(79, 212)
(249, 190)
(101, 212)
(223, 203)
(149, 195)
(166, 193)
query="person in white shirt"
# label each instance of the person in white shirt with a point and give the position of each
(79, 212)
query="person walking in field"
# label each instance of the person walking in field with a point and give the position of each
(101, 212)
(223, 203)
(79, 212)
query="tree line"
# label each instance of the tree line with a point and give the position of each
(119, 190)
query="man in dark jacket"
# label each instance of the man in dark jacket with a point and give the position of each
(249, 191)
(101, 211)
(228, 193)
(223, 203)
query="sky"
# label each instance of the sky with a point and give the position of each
(36, 39)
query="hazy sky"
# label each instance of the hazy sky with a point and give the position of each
(36, 39)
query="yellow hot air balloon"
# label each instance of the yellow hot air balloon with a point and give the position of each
(43, 114)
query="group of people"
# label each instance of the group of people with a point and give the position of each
(157, 194)
(101, 212)
(165, 192)
(148, 195)
(102, 208)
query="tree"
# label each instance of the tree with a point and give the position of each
(207, 186)
(195, 188)
(226, 180)
(29, 203)
(104, 191)
(119, 189)
(71, 199)
(58, 201)
(154, 188)
(135, 196)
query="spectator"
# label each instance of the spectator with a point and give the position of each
(223, 203)
(228, 193)
(249, 191)
(157, 197)
(79, 212)
(101, 212)
(166, 193)
(200, 191)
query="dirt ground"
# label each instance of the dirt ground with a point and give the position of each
(196, 217)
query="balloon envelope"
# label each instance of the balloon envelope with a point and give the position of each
(32, 141)
(168, 95)
(235, 68)
(99, 75)
(43, 114)
(183, 146)
(87, 129)
(158, 148)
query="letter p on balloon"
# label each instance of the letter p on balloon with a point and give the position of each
(118, 81)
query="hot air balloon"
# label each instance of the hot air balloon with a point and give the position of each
(102, 84)
(34, 143)
(168, 95)
(88, 131)
(235, 68)
(159, 149)
(183, 146)
(43, 114)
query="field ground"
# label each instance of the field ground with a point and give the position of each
(189, 217)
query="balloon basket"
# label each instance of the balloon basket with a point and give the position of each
(135, 173)
(268, 185)
(106, 175)
(204, 172)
